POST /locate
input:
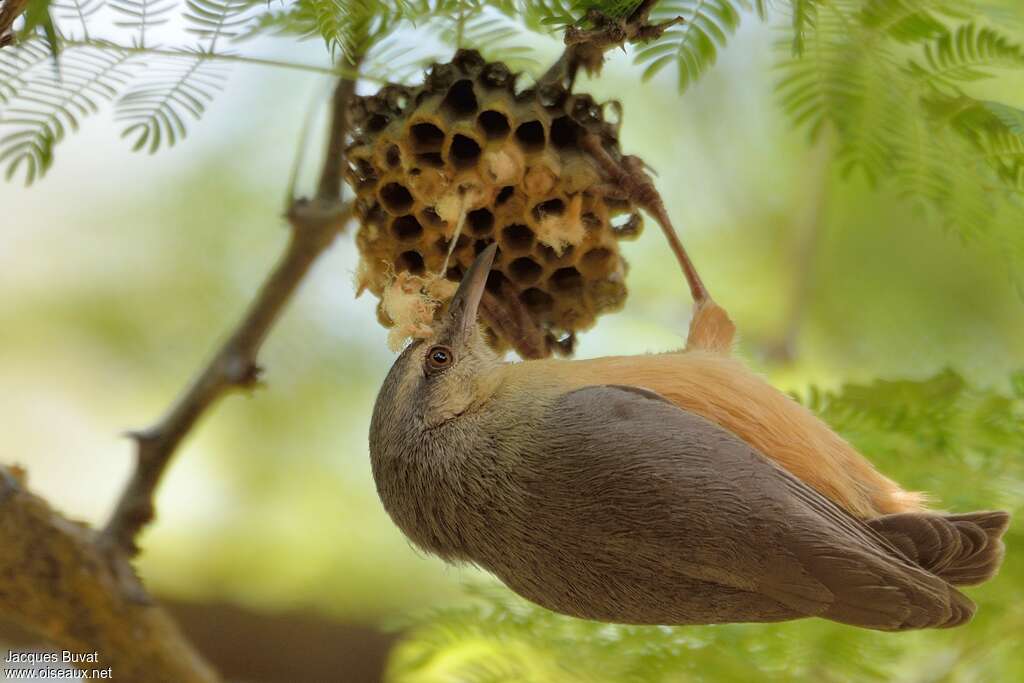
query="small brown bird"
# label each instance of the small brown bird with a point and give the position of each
(666, 489)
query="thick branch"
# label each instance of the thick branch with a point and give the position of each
(314, 226)
(58, 583)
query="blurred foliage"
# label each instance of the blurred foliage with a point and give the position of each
(112, 301)
(934, 433)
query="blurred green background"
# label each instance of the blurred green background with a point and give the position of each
(120, 272)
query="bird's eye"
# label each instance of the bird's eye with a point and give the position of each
(439, 358)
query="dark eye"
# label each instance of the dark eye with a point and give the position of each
(439, 357)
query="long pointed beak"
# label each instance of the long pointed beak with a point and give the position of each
(463, 308)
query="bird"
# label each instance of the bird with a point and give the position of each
(661, 489)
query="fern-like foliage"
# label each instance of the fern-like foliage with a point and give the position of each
(76, 13)
(890, 80)
(940, 434)
(42, 105)
(175, 88)
(692, 46)
(142, 15)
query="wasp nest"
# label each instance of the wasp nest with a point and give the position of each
(467, 158)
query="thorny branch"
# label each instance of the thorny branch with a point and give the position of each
(586, 47)
(76, 586)
(314, 224)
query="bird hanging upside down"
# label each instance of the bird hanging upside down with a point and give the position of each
(676, 488)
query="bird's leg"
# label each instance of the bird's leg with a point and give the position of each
(710, 328)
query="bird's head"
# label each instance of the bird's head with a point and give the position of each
(450, 372)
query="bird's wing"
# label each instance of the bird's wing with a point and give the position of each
(733, 516)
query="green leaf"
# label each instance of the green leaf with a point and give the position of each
(694, 44)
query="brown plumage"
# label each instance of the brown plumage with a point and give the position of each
(669, 489)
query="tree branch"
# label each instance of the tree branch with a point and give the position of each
(58, 583)
(586, 47)
(314, 224)
(9, 13)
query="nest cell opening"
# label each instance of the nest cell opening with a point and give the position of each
(480, 221)
(530, 136)
(461, 100)
(464, 151)
(407, 228)
(377, 123)
(504, 195)
(551, 207)
(525, 270)
(494, 124)
(430, 216)
(427, 137)
(410, 261)
(396, 198)
(518, 236)
(566, 279)
(597, 260)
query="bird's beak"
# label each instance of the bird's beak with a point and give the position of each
(463, 308)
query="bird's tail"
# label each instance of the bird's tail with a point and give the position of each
(964, 550)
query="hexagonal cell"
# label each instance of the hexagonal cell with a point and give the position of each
(525, 270)
(517, 236)
(480, 221)
(464, 151)
(504, 195)
(551, 207)
(410, 261)
(530, 136)
(426, 137)
(537, 300)
(566, 279)
(494, 124)
(460, 100)
(628, 226)
(552, 255)
(396, 198)
(377, 123)
(406, 228)
(497, 75)
(405, 159)
(551, 95)
(598, 260)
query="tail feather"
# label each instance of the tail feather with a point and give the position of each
(964, 550)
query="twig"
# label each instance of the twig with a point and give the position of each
(314, 225)
(586, 47)
(9, 13)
